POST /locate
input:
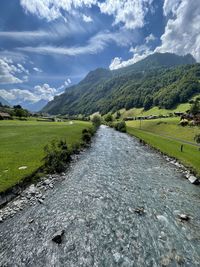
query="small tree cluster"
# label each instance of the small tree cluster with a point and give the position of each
(120, 126)
(96, 120)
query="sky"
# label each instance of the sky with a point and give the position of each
(48, 45)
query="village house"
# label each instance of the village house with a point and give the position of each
(4, 116)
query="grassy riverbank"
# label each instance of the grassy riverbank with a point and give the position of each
(22, 143)
(167, 136)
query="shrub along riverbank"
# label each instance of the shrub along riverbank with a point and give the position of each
(166, 136)
(22, 146)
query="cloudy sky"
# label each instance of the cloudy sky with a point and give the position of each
(48, 45)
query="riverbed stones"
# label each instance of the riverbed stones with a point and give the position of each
(139, 211)
(46, 182)
(41, 201)
(32, 189)
(193, 179)
(58, 237)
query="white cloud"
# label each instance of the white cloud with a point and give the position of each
(53, 9)
(37, 69)
(54, 31)
(45, 92)
(39, 92)
(8, 71)
(182, 34)
(95, 44)
(150, 38)
(170, 6)
(139, 53)
(87, 18)
(63, 86)
(23, 34)
(18, 95)
(129, 12)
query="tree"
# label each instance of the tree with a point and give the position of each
(118, 115)
(148, 102)
(195, 108)
(17, 107)
(96, 120)
(108, 118)
(20, 112)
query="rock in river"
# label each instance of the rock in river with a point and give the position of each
(58, 236)
(193, 179)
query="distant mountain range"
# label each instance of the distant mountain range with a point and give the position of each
(4, 102)
(161, 79)
(34, 107)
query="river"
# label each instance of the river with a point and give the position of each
(95, 205)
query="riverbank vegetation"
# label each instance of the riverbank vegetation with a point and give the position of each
(168, 136)
(22, 145)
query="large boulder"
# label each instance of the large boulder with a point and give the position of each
(193, 180)
(58, 236)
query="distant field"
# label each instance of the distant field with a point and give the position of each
(166, 126)
(22, 143)
(160, 133)
(134, 112)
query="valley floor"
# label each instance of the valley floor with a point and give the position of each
(22, 143)
(167, 136)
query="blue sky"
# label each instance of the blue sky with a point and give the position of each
(49, 45)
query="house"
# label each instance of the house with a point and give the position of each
(4, 116)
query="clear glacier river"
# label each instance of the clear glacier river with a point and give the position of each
(118, 205)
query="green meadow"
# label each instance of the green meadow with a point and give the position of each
(156, 111)
(167, 136)
(22, 143)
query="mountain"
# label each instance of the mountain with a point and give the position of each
(158, 60)
(161, 79)
(34, 107)
(4, 102)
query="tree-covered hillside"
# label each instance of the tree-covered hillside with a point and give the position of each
(161, 79)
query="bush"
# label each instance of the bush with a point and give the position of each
(86, 136)
(108, 117)
(96, 120)
(57, 155)
(120, 126)
(197, 138)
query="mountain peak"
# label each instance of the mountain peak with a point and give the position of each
(166, 60)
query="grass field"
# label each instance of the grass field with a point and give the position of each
(168, 127)
(22, 143)
(160, 133)
(135, 112)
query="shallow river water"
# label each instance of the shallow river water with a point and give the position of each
(95, 205)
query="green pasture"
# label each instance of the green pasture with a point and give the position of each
(22, 143)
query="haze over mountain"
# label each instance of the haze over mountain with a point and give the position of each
(4, 102)
(162, 79)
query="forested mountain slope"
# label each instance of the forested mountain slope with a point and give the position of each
(160, 79)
